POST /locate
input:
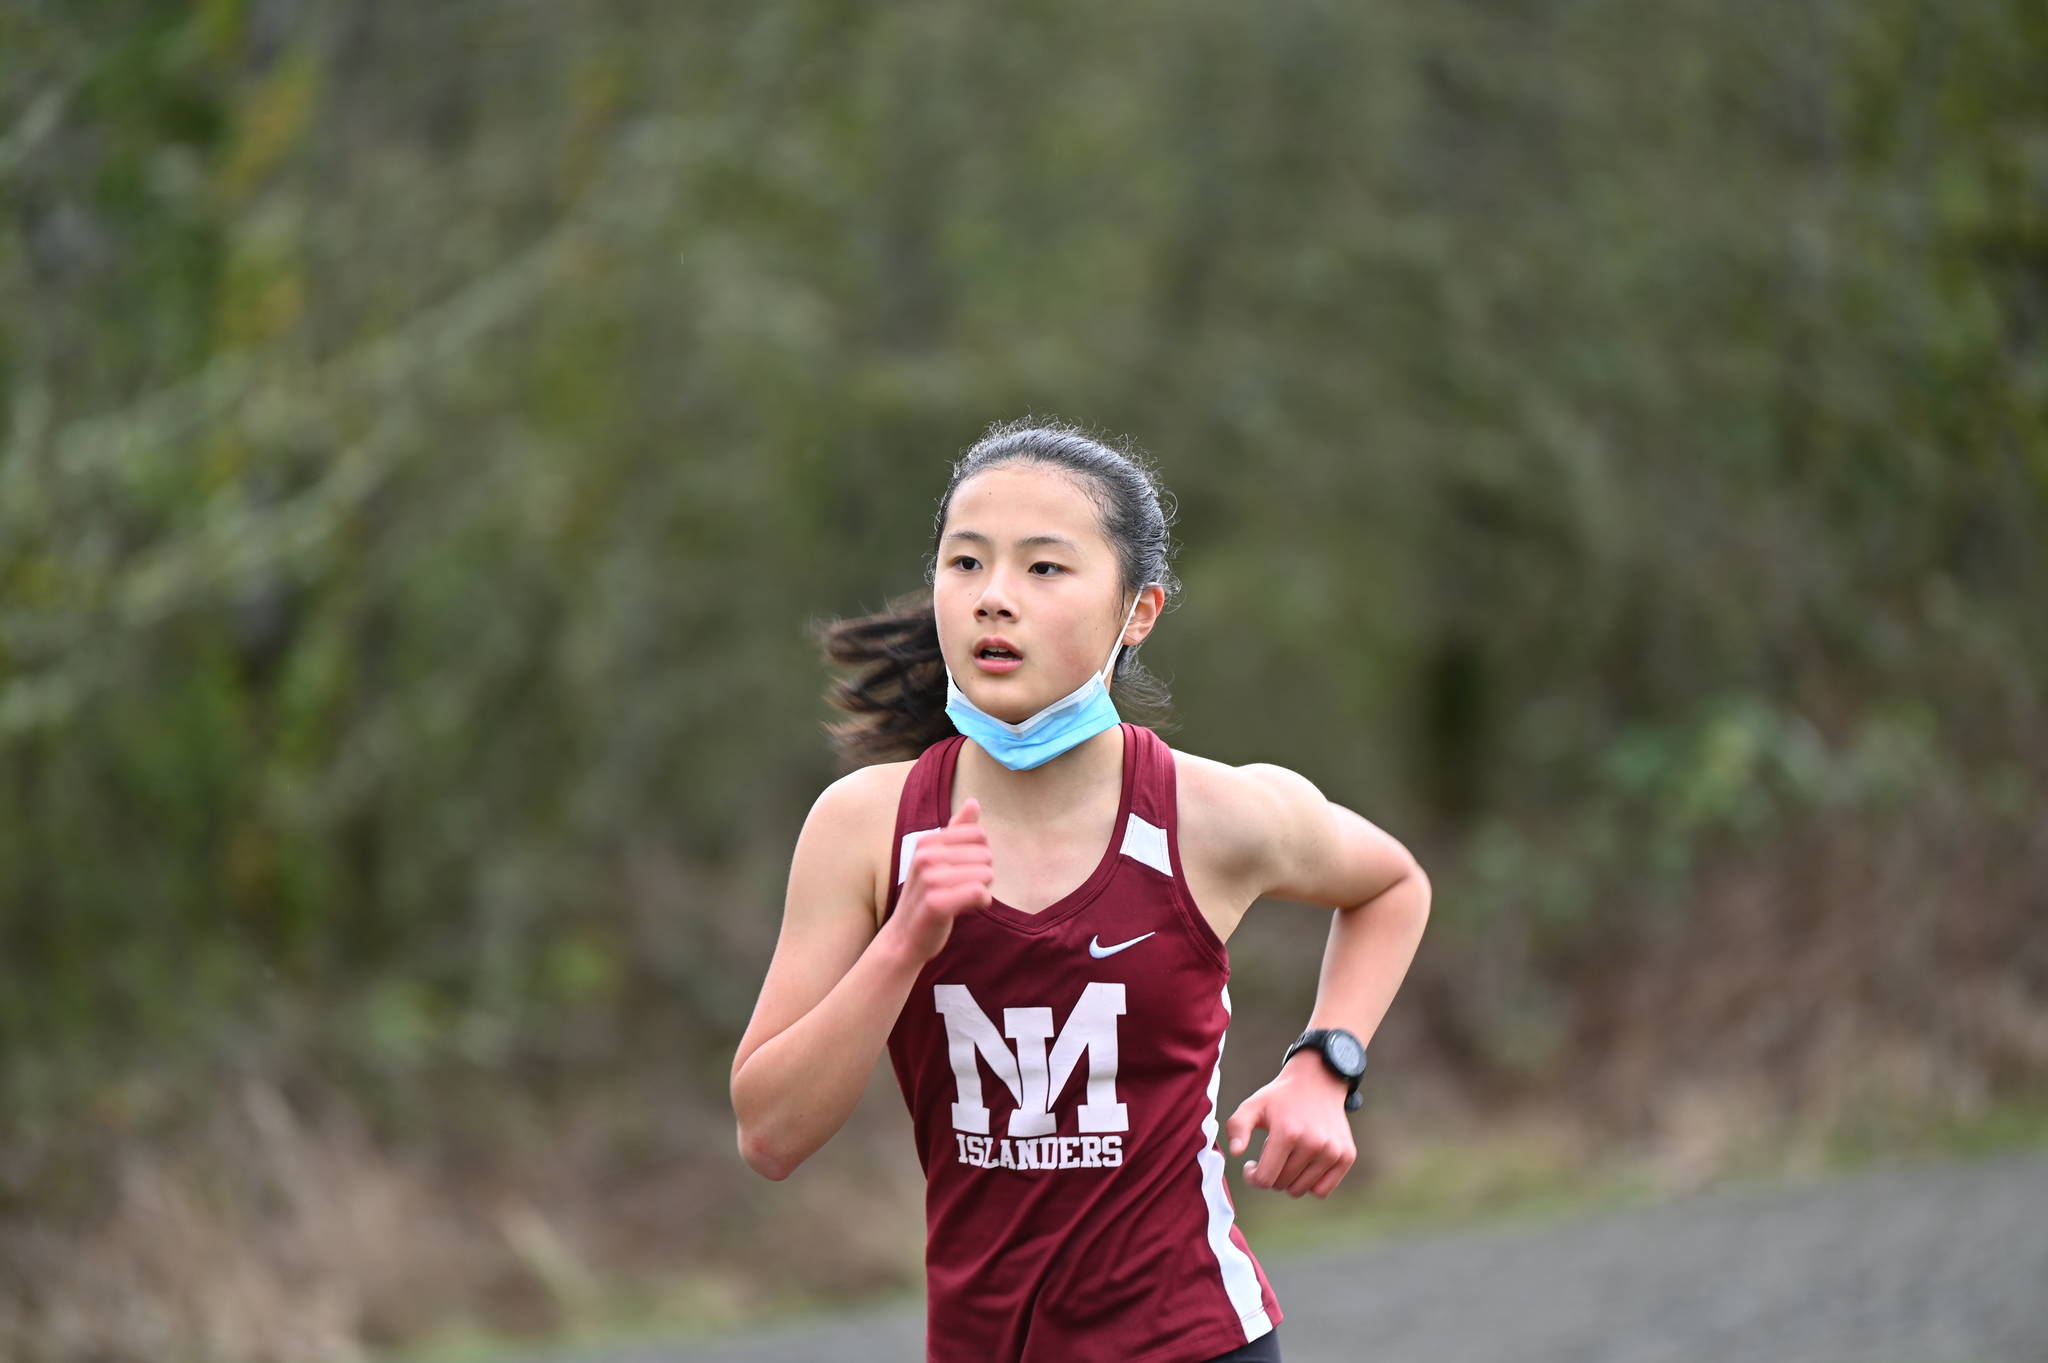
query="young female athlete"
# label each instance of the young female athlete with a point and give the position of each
(1026, 900)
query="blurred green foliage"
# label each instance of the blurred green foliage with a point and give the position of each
(1616, 433)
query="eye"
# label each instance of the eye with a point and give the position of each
(959, 559)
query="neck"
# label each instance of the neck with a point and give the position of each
(1048, 792)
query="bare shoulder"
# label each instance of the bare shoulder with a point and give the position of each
(859, 788)
(828, 912)
(1214, 799)
(1269, 830)
(860, 811)
(1222, 838)
(1231, 810)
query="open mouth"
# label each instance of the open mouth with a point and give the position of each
(994, 654)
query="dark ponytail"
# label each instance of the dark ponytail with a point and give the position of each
(897, 695)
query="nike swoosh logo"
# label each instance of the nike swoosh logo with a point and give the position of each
(1098, 951)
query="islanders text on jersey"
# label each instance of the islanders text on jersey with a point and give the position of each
(1036, 1073)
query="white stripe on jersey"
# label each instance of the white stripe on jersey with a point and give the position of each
(1240, 1279)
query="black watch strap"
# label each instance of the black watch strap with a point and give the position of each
(1316, 1038)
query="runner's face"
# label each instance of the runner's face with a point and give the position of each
(1056, 601)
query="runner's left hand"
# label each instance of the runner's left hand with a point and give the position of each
(1308, 1145)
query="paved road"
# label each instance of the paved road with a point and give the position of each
(1942, 1263)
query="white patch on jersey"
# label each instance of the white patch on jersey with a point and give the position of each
(903, 857)
(1147, 843)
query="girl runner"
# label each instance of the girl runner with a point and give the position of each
(1025, 899)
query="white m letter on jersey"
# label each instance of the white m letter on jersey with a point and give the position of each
(1029, 1074)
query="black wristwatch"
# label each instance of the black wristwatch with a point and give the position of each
(1342, 1052)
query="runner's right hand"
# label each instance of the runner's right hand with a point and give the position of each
(951, 871)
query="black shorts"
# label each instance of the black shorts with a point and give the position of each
(1264, 1349)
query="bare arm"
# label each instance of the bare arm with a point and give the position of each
(832, 992)
(1318, 852)
(836, 984)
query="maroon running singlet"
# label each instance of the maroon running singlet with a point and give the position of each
(1061, 1070)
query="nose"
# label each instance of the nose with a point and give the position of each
(995, 596)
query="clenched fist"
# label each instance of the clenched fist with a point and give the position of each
(950, 874)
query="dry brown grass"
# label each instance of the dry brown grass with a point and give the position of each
(268, 1228)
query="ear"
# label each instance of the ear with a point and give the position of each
(1151, 601)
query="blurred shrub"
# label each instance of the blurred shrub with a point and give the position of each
(429, 428)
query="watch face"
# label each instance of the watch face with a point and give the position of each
(1346, 1054)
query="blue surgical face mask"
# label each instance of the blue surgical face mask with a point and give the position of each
(1074, 718)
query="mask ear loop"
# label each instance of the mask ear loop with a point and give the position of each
(1109, 668)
